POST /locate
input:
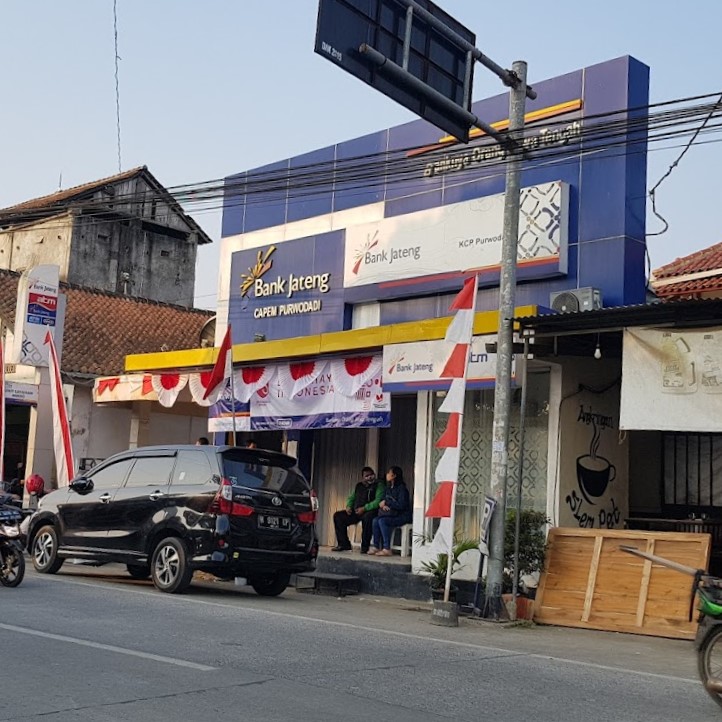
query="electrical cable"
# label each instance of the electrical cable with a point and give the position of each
(117, 83)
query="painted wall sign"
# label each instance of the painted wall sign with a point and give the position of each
(593, 463)
(416, 366)
(672, 380)
(458, 238)
(289, 289)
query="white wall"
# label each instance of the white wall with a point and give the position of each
(593, 456)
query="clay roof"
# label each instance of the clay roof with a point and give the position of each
(101, 328)
(55, 203)
(689, 276)
(54, 199)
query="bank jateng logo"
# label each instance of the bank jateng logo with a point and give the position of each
(257, 271)
(258, 282)
(366, 255)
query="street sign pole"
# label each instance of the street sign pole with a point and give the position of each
(507, 293)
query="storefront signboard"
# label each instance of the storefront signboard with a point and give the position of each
(20, 393)
(458, 238)
(36, 313)
(417, 366)
(672, 380)
(289, 289)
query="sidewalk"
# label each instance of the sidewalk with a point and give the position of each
(641, 654)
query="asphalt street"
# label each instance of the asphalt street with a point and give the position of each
(92, 644)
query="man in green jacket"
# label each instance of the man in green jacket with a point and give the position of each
(361, 506)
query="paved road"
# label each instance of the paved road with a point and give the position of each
(91, 644)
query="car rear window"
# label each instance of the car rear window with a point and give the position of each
(253, 473)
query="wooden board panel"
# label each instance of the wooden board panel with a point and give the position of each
(589, 582)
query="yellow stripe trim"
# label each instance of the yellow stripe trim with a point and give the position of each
(534, 115)
(361, 339)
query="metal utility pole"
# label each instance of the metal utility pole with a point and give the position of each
(507, 293)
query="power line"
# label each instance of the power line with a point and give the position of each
(375, 169)
(653, 191)
(117, 83)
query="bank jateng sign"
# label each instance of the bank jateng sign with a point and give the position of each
(288, 289)
(417, 366)
(458, 238)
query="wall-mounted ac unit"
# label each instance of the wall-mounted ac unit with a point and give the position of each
(576, 299)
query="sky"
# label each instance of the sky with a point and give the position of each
(214, 87)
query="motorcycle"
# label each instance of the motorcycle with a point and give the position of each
(12, 560)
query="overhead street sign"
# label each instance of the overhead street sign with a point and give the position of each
(428, 54)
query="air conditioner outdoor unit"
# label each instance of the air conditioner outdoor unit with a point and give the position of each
(576, 299)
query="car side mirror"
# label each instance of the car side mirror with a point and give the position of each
(81, 485)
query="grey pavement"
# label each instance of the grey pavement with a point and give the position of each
(92, 644)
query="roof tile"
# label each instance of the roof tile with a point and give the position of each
(101, 328)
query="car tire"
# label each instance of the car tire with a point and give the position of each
(138, 571)
(270, 585)
(169, 567)
(13, 566)
(45, 551)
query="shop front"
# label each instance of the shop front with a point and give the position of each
(363, 264)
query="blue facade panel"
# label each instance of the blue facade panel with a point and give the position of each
(410, 169)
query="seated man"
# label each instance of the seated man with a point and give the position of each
(362, 506)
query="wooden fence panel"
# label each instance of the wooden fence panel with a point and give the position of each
(588, 581)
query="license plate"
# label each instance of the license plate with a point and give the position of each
(269, 521)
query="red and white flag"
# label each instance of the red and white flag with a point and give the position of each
(223, 368)
(64, 461)
(459, 332)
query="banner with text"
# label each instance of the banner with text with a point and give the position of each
(459, 237)
(320, 406)
(672, 380)
(417, 366)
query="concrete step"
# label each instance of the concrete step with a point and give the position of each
(340, 584)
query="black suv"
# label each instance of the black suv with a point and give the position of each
(165, 511)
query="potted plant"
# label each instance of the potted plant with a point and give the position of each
(436, 567)
(532, 548)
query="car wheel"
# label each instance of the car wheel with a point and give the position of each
(45, 551)
(169, 567)
(139, 571)
(270, 585)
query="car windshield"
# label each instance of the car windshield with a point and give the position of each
(250, 471)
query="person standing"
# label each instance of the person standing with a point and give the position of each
(394, 510)
(361, 506)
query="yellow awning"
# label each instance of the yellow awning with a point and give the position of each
(356, 340)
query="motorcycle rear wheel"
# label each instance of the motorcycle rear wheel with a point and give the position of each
(12, 566)
(709, 662)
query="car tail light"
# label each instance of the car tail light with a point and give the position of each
(223, 502)
(314, 500)
(307, 517)
(241, 510)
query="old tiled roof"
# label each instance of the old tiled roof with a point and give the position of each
(57, 198)
(102, 328)
(58, 202)
(689, 276)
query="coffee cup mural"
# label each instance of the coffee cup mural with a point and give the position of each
(594, 474)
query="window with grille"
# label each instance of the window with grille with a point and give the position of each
(692, 470)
